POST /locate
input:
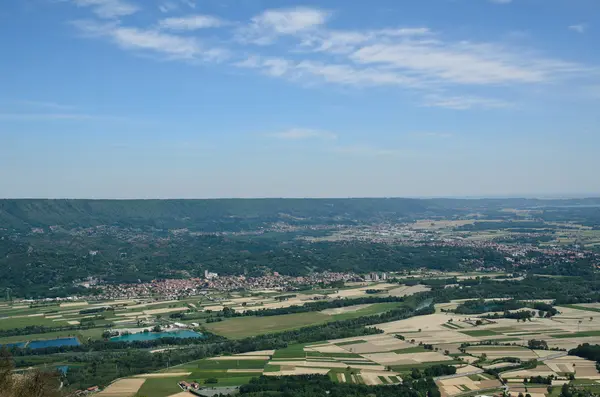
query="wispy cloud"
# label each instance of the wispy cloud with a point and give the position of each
(168, 6)
(109, 8)
(501, 1)
(296, 134)
(465, 102)
(301, 48)
(414, 57)
(191, 22)
(189, 3)
(312, 71)
(266, 27)
(579, 28)
(462, 62)
(168, 45)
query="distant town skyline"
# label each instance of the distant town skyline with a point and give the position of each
(241, 98)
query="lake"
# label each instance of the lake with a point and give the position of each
(144, 336)
(41, 344)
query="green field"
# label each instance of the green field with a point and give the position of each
(375, 308)
(94, 333)
(352, 342)
(159, 387)
(218, 365)
(21, 322)
(242, 327)
(491, 347)
(589, 309)
(577, 334)
(409, 367)
(292, 351)
(416, 349)
(479, 332)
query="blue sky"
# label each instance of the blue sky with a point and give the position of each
(281, 98)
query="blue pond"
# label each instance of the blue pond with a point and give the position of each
(40, 344)
(143, 336)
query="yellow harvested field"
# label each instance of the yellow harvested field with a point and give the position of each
(164, 375)
(240, 357)
(73, 322)
(371, 379)
(498, 353)
(408, 290)
(327, 364)
(182, 394)
(498, 365)
(258, 353)
(328, 349)
(123, 388)
(244, 370)
(299, 371)
(527, 373)
(341, 377)
(466, 369)
(165, 310)
(406, 359)
(453, 386)
(74, 304)
(129, 314)
(342, 310)
(428, 322)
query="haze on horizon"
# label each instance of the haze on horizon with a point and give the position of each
(230, 98)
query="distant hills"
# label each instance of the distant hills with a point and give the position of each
(231, 214)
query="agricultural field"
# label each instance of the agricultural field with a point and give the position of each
(363, 360)
(242, 327)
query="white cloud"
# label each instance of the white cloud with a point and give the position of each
(189, 3)
(579, 28)
(168, 6)
(169, 45)
(339, 41)
(331, 73)
(301, 134)
(462, 62)
(191, 22)
(109, 8)
(465, 102)
(501, 1)
(304, 50)
(292, 20)
(264, 28)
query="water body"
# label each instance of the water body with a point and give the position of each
(41, 344)
(63, 369)
(144, 336)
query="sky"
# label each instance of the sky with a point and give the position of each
(282, 98)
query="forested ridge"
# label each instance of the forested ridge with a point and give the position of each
(237, 214)
(31, 266)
